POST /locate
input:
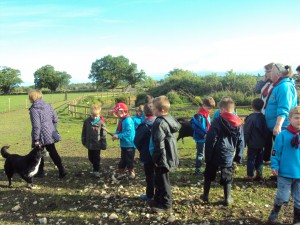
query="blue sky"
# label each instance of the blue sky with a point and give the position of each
(157, 35)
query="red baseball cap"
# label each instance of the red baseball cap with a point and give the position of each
(119, 106)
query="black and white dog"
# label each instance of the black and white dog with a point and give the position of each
(26, 166)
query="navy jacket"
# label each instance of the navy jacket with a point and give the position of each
(221, 141)
(142, 140)
(255, 130)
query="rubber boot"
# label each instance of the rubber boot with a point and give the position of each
(62, 172)
(227, 194)
(296, 216)
(273, 217)
(204, 196)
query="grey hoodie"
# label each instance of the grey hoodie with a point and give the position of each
(164, 140)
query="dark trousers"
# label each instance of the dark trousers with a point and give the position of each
(54, 156)
(268, 147)
(127, 158)
(94, 158)
(210, 174)
(254, 161)
(163, 194)
(150, 176)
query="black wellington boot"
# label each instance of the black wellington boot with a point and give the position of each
(227, 194)
(273, 217)
(204, 196)
(296, 216)
(62, 172)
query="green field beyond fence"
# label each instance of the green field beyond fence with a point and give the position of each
(15, 102)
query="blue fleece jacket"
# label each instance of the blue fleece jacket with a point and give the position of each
(285, 158)
(199, 126)
(282, 99)
(127, 134)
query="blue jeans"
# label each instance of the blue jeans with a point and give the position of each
(200, 154)
(285, 186)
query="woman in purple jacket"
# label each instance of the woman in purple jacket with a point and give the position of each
(44, 121)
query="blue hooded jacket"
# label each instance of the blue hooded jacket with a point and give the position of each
(127, 134)
(282, 99)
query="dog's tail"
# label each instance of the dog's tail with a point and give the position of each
(4, 152)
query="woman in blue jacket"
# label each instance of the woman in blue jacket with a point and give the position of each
(281, 99)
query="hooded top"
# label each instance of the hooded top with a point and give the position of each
(164, 142)
(282, 99)
(222, 139)
(142, 139)
(93, 136)
(255, 130)
(44, 121)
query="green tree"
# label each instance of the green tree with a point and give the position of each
(9, 79)
(47, 77)
(109, 71)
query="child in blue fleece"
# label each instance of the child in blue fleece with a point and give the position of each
(201, 124)
(125, 132)
(285, 164)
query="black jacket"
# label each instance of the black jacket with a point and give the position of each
(142, 139)
(221, 141)
(255, 130)
(164, 141)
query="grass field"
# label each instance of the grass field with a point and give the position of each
(81, 198)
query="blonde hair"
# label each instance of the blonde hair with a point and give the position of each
(161, 103)
(95, 110)
(293, 111)
(227, 103)
(34, 94)
(283, 70)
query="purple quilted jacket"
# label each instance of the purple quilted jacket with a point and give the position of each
(44, 121)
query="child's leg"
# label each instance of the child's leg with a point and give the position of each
(129, 157)
(209, 175)
(259, 164)
(282, 197)
(149, 173)
(296, 197)
(94, 157)
(122, 163)
(199, 156)
(226, 180)
(251, 156)
(163, 194)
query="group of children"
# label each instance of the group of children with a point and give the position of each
(220, 142)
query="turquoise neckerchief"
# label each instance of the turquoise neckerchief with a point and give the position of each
(96, 120)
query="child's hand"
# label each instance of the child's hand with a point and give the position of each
(115, 137)
(275, 173)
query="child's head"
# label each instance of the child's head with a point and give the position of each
(294, 117)
(120, 110)
(95, 111)
(298, 71)
(257, 104)
(227, 105)
(139, 110)
(34, 94)
(208, 103)
(148, 109)
(161, 105)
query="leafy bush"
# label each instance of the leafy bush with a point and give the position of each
(174, 98)
(123, 99)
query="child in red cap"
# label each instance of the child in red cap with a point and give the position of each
(125, 132)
